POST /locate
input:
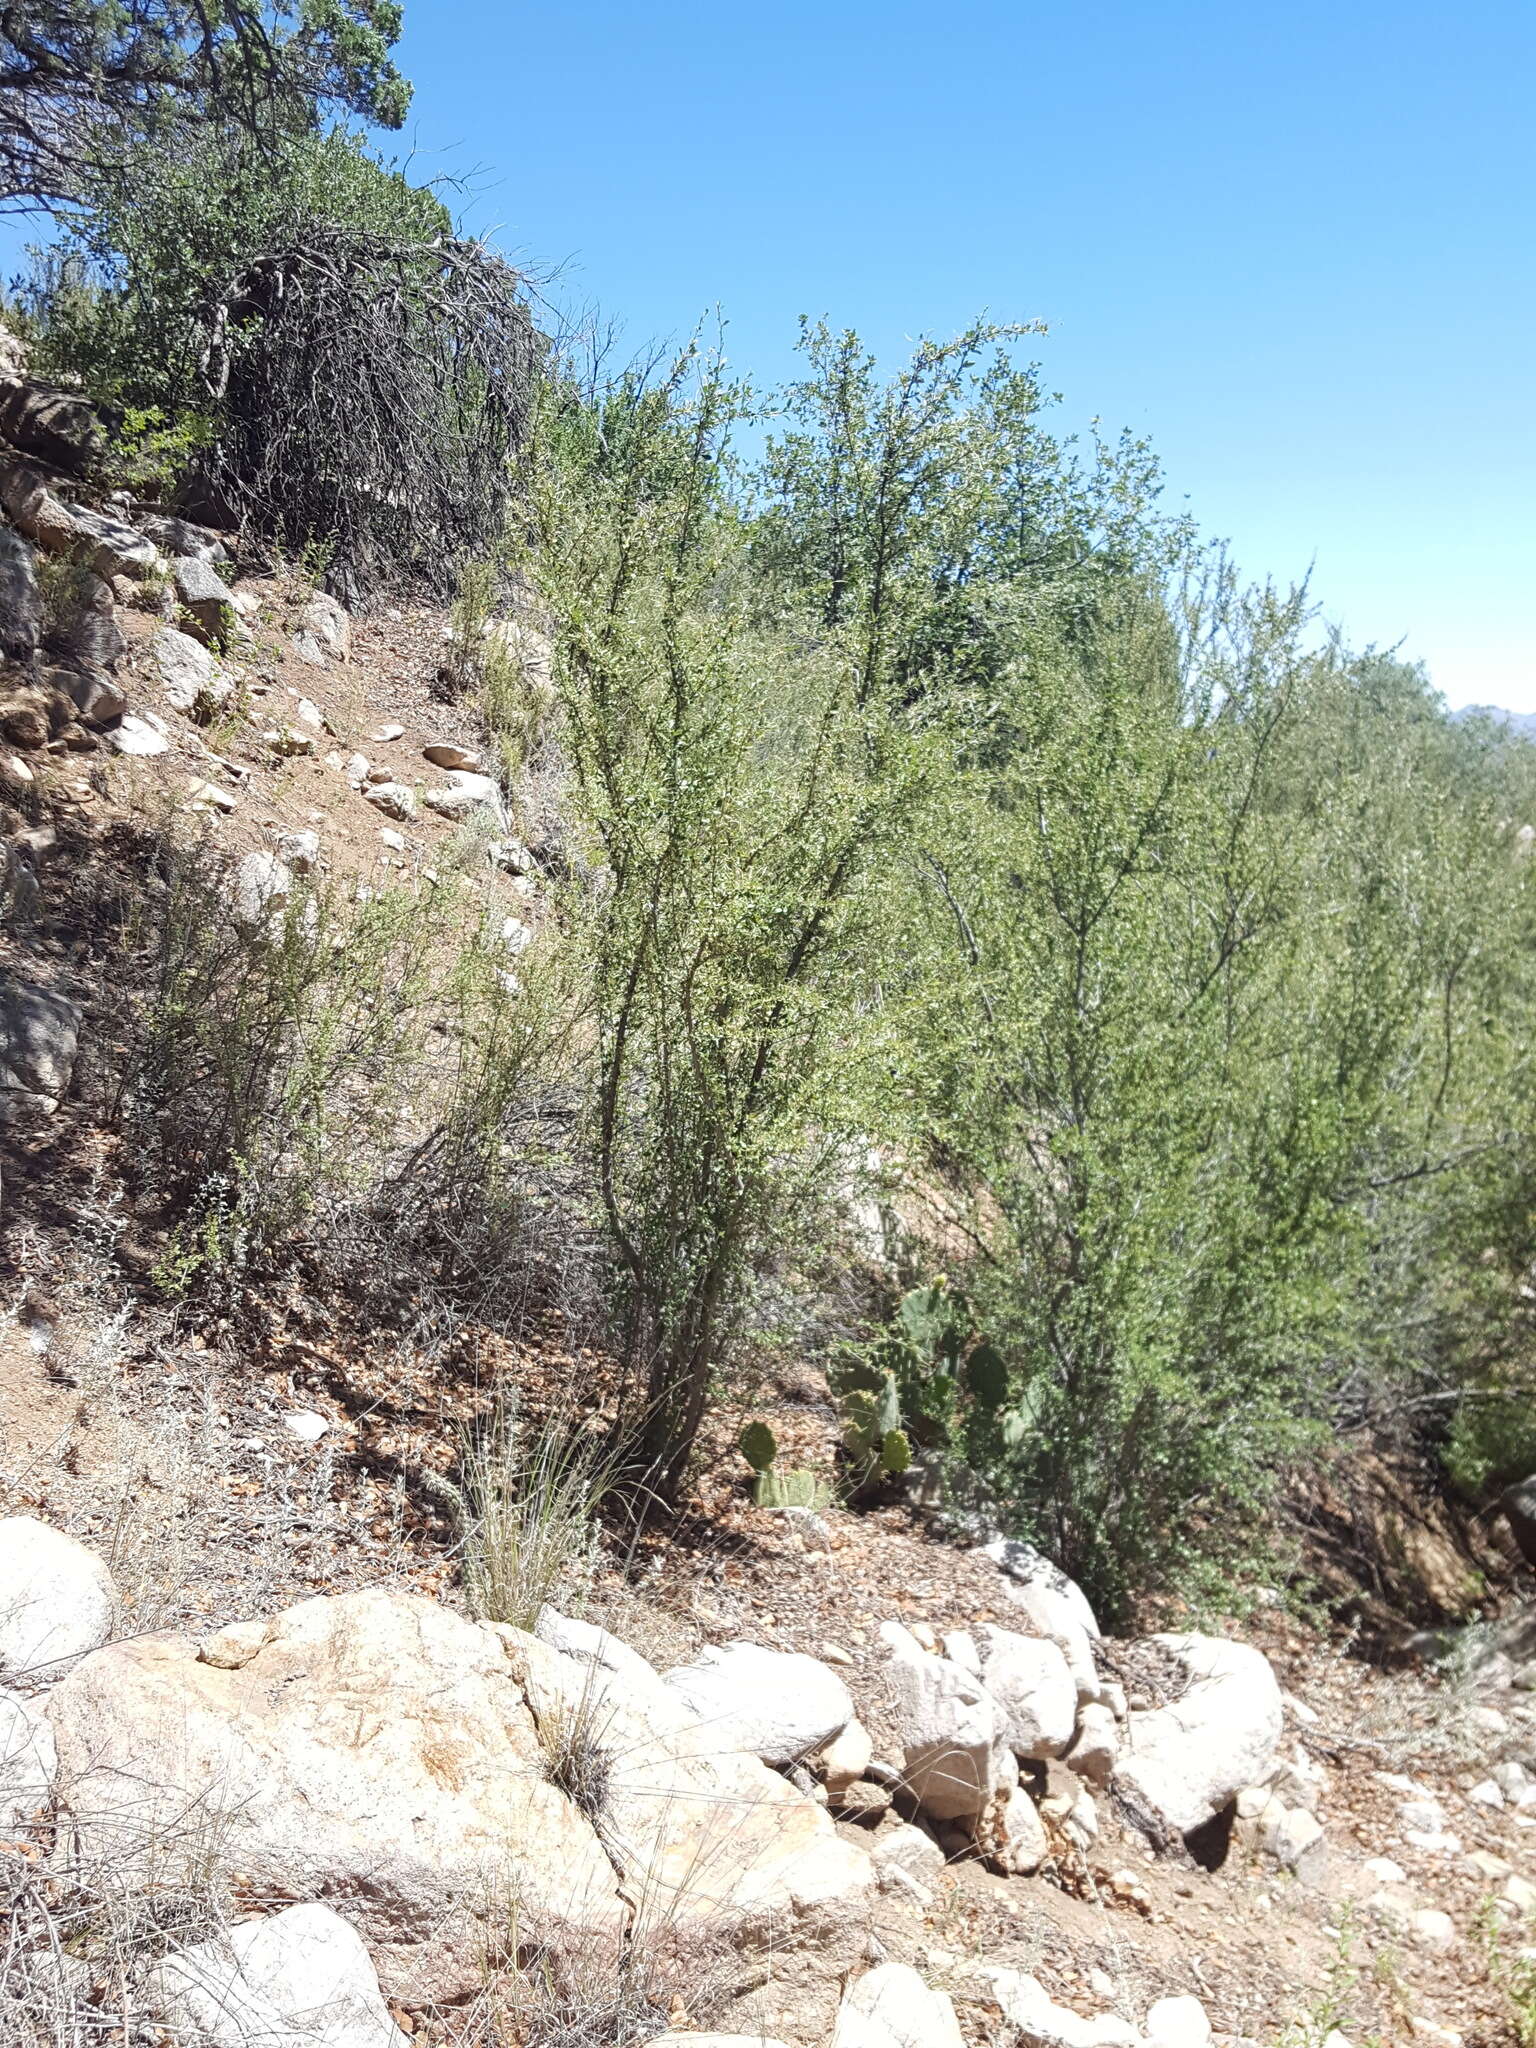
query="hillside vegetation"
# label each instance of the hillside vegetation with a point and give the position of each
(936, 838)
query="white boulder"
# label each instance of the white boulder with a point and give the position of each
(58, 1601)
(1188, 1760)
(191, 676)
(1029, 1679)
(891, 2007)
(376, 1751)
(949, 1727)
(1178, 2023)
(298, 1979)
(708, 1842)
(777, 1705)
(1039, 2022)
(465, 793)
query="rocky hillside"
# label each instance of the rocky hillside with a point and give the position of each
(270, 1768)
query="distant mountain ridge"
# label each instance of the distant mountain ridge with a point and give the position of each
(1522, 723)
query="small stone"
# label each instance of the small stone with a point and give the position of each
(1520, 1893)
(443, 754)
(1426, 1816)
(1432, 1929)
(1483, 1863)
(386, 733)
(139, 734)
(516, 936)
(300, 849)
(310, 714)
(466, 793)
(306, 1425)
(1487, 1794)
(1512, 1779)
(232, 1648)
(357, 767)
(207, 600)
(208, 796)
(394, 840)
(1178, 2023)
(289, 740)
(392, 798)
(834, 1653)
(1384, 1870)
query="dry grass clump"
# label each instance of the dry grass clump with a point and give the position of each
(532, 1491)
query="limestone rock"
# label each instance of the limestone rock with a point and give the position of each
(375, 1752)
(394, 799)
(259, 887)
(1029, 1679)
(1178, 2023)
(27, 1761)
(297, 1979)
(98, 701)
(1188, 1760)
(1039, 2022)
(465, 794)
(709, 1843)
(1096, 1746)
(910, 1849)
(1055, 1606)
(176, 536)
(39, 1037)
(193, 680)
(891, 2007)
(140, 734)
(777, 1705)
(949, 1726)
(57, 1601)
(588, 1643)
(111, 547)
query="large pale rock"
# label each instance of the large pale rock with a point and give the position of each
(891, 2007)
(56, 1601)
(1039, 2022)
(1029, 1678)
(192, 678)
(777, 1705)
(376, 1751)
(178, 536)
(1188, 1760)
(589, 1644)
(21, 603)
(39, 1037)
(27, 1761)
(35, 511)
(1178, 2023)
(465, 794)
(1055, 1607)
(950, 1729)
(710, 1844)
(298, 1979)
(259, 888)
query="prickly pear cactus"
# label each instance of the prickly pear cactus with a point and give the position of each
(758, 1445)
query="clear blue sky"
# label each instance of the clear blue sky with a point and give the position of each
(1294, 244)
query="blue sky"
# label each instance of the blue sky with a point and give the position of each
(1294, 245)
